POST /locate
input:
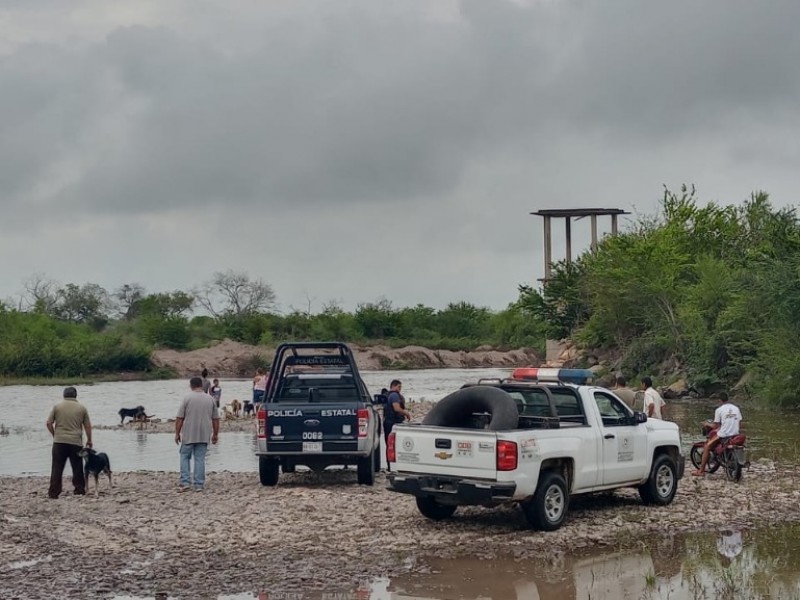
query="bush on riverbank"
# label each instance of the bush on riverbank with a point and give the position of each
(38, 345)
(708, 291)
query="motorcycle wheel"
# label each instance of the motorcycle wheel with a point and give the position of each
(713, 463)
(733, 469)
(696, 456)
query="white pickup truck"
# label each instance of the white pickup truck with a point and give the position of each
(533, 442)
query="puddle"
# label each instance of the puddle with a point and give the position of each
(730, 564)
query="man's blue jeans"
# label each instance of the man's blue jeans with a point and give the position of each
(199, 453)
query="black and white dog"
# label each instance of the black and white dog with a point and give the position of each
(96, 463)
(133, 413)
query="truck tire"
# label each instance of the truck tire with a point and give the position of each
(268, 470)
(662, 484)
(456, 409)
(429, 507)
(547, 511)
(366, 474)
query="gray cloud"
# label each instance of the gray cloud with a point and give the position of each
(419, 134)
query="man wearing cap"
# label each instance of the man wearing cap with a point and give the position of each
(66, 423)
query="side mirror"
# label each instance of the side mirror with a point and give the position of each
(639, 417)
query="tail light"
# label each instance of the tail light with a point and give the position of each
(506, 456)
(363, 422)
(391, 450)
(262, 424)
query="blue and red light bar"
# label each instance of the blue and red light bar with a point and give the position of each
(576, 376)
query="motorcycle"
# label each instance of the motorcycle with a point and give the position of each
(730, 453)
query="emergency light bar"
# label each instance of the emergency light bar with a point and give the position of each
(576, 376)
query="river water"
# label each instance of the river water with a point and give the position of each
(725, 564)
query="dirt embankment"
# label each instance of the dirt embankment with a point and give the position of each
(316, 531)
(234, 359)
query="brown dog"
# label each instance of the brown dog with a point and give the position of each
(236, 407)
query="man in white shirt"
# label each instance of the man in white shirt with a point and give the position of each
(727, 419)
(654, 405)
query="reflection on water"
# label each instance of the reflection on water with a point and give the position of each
(730, 564)
(727, 565)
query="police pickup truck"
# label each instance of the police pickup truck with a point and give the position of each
(317, 412)
(536, 442)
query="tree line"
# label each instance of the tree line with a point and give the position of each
(72, 329)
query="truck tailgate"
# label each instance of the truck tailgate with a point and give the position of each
(469, 453)
(312, 428)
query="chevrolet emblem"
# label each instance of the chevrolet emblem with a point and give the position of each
(444, 455)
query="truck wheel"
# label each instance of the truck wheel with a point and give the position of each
(662, 484)
(268, 470)
(433, 509)
(548, 508)
(458, 409)
(366, 474)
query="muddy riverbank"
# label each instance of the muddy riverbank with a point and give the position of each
(316, 531)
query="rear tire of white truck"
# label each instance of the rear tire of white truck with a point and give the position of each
(662, 484)
(366, 472)
(547, 511)
(268, 471)
(433, 509)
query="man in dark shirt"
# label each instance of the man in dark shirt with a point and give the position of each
(395, 412)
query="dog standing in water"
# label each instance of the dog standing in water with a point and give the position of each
(236, 407)
(96, 463)
(133, 413)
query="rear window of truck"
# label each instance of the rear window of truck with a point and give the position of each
(534, 403)
(317, 388)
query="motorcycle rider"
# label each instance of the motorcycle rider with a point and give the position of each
(727, 419)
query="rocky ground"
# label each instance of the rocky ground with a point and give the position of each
(313, 531)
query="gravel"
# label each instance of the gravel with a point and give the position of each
(316, 531)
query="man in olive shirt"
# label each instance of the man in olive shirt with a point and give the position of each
(66, 423)
(623, 392)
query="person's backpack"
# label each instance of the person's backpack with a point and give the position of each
(382, 399)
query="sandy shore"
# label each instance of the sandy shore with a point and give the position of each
(314, 531)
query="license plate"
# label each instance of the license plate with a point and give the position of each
(312, 446)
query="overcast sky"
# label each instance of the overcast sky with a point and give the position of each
(350, 150)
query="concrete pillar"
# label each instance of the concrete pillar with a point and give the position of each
(594, 233)
(613, 224)
(548, 248)
(568, 229)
